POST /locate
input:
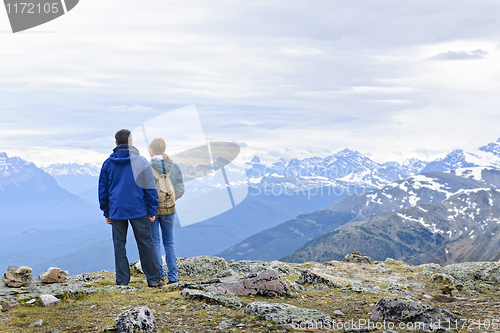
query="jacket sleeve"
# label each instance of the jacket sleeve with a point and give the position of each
(104, 191)
(177, 182)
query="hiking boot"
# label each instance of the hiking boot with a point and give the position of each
(157, 285)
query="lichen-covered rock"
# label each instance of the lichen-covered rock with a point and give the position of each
(286, 314)
(138, 319)
(194, 266)
(201, 266)
(84, 278)
(443, 278)
(409, 309)
(267, 283)
(474, 271)
(53, 275)
(356, 257)
(314, 277)
(254, 266)
(47, 300)
(16, 277)
(212, 297)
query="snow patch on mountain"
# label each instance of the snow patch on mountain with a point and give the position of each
(73, 169)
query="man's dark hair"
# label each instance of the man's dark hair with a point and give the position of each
(123, 137)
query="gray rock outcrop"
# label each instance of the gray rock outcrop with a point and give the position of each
(16, 277)
(138, 319)
(410, 310)
(474, 271)
(53, 275)
(212, 297)
(194, 266)
(267, 283)
(313, 277)
(253, 266)
(286, 314)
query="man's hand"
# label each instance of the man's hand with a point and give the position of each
(151, 218)
(108, 220)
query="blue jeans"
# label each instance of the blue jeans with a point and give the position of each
(142, 234)
(166, 222)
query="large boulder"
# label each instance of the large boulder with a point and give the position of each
(267, 283)
(282, 313)
(194, 266)
(212, 297)
(255, 266)
(411, 310)
(53, 275)
(16, 277)
(313, 277)
(138, 319)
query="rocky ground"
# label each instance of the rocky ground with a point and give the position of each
(249, 296)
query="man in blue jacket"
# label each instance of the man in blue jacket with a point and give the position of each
(127, 192)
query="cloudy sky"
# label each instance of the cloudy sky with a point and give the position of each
(391, 79)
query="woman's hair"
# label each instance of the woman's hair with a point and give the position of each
(158, 147)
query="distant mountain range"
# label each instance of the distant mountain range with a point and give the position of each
(28, 195)
(278, 217)
(309, 230)
(429, 230)
(75, 178)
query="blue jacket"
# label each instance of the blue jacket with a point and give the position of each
(175, 175)
(127, 188)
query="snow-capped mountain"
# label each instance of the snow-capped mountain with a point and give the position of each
(76, 178)
(344, 169)
(32, 194)
(443, 232)
(492, 147)
(73, 169)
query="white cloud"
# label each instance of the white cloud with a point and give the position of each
(310, 76)
(133, 108)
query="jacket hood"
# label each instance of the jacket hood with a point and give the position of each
(157, 165)
(124, 154)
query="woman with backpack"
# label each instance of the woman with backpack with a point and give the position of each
(162, 168)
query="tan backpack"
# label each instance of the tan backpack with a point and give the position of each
(166, 193)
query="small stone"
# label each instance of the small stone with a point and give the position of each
(18, 291)
(31, 301)
(47, 300)
(446, 290)
(53, 275)
(224, 324)
(136, 319)
(86, 284)
(10, 305)
(37, 323)
(338, 313)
